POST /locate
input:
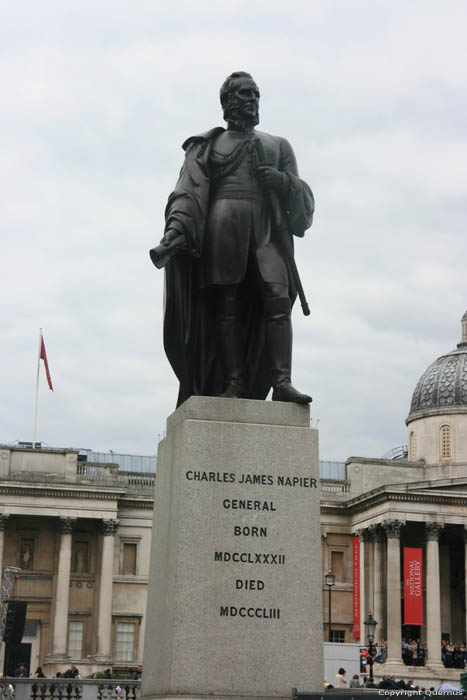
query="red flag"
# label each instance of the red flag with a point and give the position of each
(413, 586)
(46, 364)
(356, 587)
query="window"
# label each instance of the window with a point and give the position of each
(125, 641)
(80, 557)
(338, 636)
(337, 565)
(26, 554)
(445, 442)
(412, 447)
(30, 628)
(75, 639)
(129, 558)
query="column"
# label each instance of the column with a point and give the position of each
(465, 577)
(60, 623)
(378, 606)
(364, 537)
(3, 521)
(370, 582)
(433, 612)
(104, 620)
(393, 581)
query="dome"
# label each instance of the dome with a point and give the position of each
(442, 388)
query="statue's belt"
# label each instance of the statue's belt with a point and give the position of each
(224, 193)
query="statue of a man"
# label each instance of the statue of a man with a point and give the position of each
(229, 288)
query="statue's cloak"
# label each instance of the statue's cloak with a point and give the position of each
(189, 313)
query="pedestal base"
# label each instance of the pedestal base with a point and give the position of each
(234, 601)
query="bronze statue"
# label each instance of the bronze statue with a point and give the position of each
(230, 274)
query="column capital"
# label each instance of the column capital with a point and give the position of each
(392, 528)
(433, 531)
(66, 525)
(3, 521)
(363, 533)
(377, 533)
(109, 527)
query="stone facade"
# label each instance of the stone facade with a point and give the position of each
(81, 535)
(87, 532)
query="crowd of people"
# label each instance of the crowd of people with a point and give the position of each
(413, 652)
(388, 683)
(377, 653)
(73, 672)
(453, 654)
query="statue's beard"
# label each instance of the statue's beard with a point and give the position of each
(233, 116)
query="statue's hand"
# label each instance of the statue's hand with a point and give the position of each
(170, 237)
(272, 179)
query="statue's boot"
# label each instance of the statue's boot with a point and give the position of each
(279, 340)
(230, 346)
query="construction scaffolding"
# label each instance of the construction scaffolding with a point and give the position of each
(10, 576)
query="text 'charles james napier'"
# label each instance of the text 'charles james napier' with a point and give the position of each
(252, 479)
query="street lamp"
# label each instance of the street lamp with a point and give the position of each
(329, 580)
(370, 625)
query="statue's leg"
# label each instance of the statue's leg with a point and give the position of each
(277, 309)
(229, 339)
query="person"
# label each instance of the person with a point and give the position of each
(341, 680)
(229, 290)
(354, 681)
(450, 654)
(21, 672)
(39, 673)
(72, 672)
(363, 659)
(138, 674)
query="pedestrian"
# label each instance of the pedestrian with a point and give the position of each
(341, 680)
(354, 681)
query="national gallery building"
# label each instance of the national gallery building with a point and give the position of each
(78, 525)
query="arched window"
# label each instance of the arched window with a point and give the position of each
(412, 447)
(445, 447)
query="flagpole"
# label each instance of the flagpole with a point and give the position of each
(37, 391)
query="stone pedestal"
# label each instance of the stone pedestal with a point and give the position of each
(234, 601)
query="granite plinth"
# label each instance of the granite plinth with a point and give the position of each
(234, 602)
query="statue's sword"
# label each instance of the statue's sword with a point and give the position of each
(284, 234)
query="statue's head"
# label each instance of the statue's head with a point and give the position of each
(240, 100)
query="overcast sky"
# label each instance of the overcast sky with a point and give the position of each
(97, 98)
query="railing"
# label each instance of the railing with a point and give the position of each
(68, 689)
(335, 486)
(97, 472)
(128, 463)
(332, 470)
(91, 471)
(134, 479)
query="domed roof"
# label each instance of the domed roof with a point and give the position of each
(442, 388)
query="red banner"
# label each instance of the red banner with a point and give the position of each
(43, 356)
(413, 586)
(356, 586)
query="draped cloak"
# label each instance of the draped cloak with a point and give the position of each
(189, 313)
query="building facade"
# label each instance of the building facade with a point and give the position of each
(80, 532)
(417, 501)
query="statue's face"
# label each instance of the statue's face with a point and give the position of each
(243, 103)
(246, 98)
